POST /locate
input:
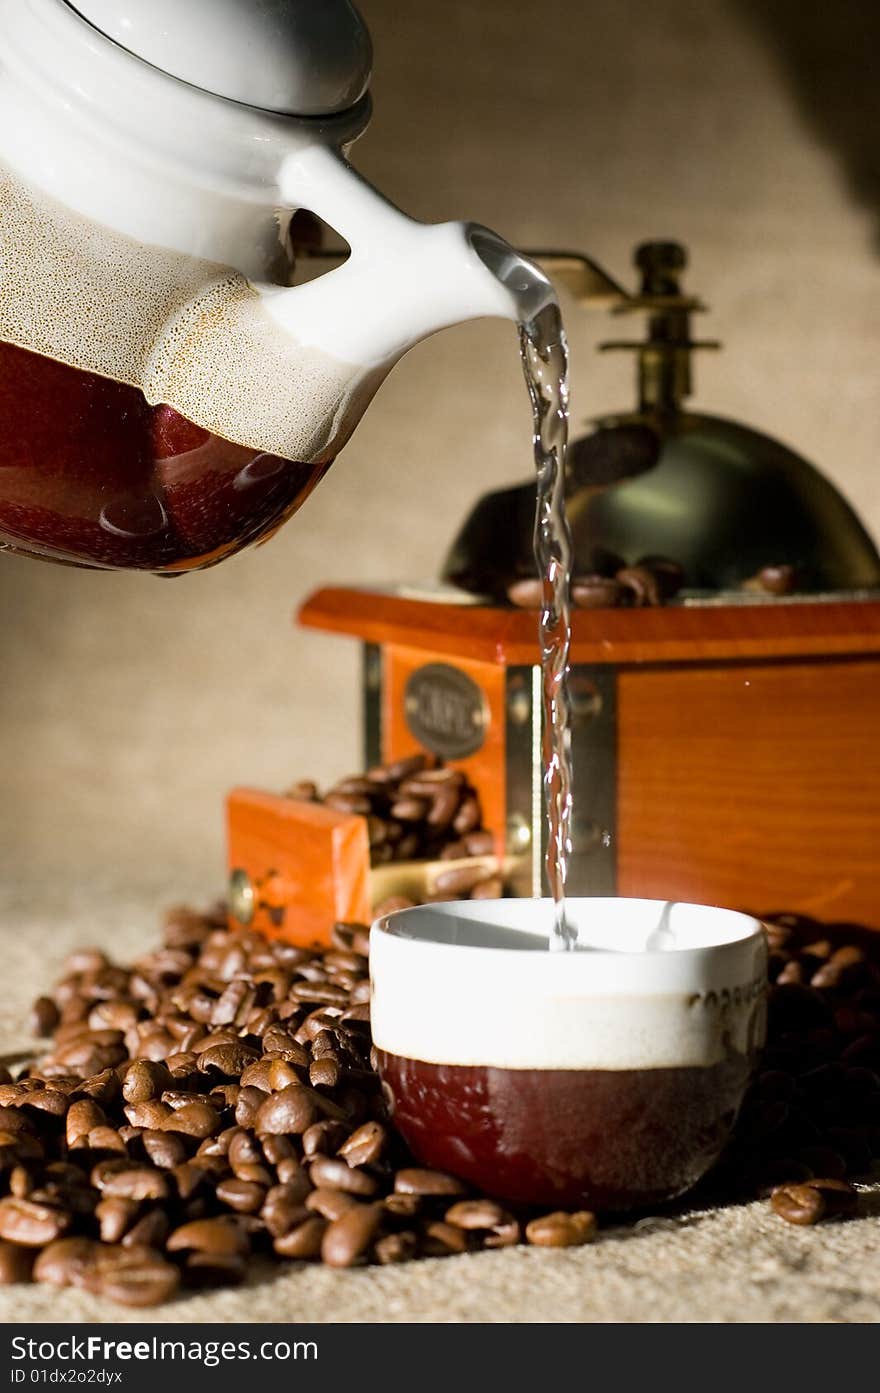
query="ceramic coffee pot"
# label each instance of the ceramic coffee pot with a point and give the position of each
(166, 395)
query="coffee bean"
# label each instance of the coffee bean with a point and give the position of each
(669, 574)
(44, 1018)
(228, 1059)
(64, 1262)
(193, 1120)
(83, 1116)
(560, 1230)
(798, 1204)
(397, 1247)
(403, 1206)
(347, 1238)
(144, 1080)
(115, 1215)
(365, 1146)
(324, 1073)
(132, 1182)
(164, 1149)
(151, 1115)
(241, 1195)
(477, 1214)
(527, 593)
(222, 1236)
(31, 1223)
(150, 1231)
(291, 1110)
(414, 1180)
(460, 880)
(304, 1241)
(596, 592)
(131, 1276)
(331, 1204)
(338, 1175)
(640, 585)
(283, 1208)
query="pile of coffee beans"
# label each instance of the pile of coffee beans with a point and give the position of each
(811, 1121)
(416, 810)
(216, 1101)
(213, 1102)
(654, 580)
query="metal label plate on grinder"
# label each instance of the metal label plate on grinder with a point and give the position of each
(445, 710)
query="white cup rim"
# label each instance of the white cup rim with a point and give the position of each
(459, 925)
(449, 1002)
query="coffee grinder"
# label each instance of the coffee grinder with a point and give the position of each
(726, 743)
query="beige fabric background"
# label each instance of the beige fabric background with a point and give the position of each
(128, 706)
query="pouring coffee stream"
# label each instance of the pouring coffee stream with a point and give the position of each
(166, 395)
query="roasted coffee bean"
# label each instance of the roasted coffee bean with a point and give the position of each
(291, 1110)
(669, 574)
(477, 1214)
(44, 1020)
(164, 1149)
(150, 1231)
(82, 1117)
(127, 1181)
(414, 1180)
(596, 592)
(338, 1175)
(228, 1059)
(115, 1215)
(284, 1208)
(347, 1238)
(304, 1240)
(151, 1115)
(460, 880)
(64, 1262)
(220, 1236)
(331, 1204)
(640, 585)
(16, 1262)
(31, 1223)
(130, 1276)
(193, 1120)
(396, 1247)
(324, 1073)
(365, 1145)
(798, 1204)
(403, 1206)
(241, 1195)
(145, 1079)
(560, 1230)
(282, 1075)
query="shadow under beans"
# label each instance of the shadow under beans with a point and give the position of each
(827, 54)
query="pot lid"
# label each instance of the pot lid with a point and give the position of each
(297, 57)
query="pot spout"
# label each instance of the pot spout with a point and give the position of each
(403, 281)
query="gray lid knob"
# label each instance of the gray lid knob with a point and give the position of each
(299, 57)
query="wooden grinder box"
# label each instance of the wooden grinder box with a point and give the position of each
(723, 753)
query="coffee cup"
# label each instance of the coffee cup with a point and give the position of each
(609, 1076)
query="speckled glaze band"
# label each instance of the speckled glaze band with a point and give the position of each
(652, 985)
